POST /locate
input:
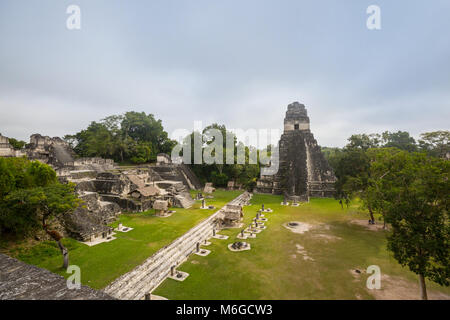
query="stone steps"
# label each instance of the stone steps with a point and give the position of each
(191, 177)
(185, 202)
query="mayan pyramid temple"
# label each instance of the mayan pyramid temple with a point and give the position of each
(303, 170)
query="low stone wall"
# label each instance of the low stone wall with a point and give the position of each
(147, 276)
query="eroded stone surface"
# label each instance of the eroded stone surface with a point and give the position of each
(303, 170)
(20, 281)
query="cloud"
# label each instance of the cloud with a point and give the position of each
(234, 63)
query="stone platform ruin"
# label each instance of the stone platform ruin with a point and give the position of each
(105, 188)
(21, 281)
(303, 170)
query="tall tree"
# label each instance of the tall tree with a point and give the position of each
(24, 210)
(30, 197)
(413, 190)
(436, 143)
(221, 173)
(133, 136)
(364, 141)
(400, 140)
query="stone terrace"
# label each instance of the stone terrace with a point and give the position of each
(20, 281)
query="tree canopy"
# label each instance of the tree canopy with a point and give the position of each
(134, 137)
(412, 191)
(220, 173)
(351, 163)
(30, 197)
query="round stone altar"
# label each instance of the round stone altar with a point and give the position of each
(239, 246)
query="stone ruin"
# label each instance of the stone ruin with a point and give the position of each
(21, 281)
(234, 185)
(161, 207)
(54, 151)
(238, 245)
(209, 188)
(106, 189)
(163, 159)
(170, 171)
(232, 216)
(134, 189)
(7, 150)
(303, 170)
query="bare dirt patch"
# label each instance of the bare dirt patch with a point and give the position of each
(365, 223)
(396, 288)
(298, 227)
(326, 237)
(356, 273)
(301, 250)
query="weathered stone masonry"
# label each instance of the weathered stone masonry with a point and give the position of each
(303, 170)
(21, 281)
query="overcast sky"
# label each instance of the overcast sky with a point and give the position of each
(238, 63)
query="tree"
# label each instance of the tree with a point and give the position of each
(414, 192)
(330, 153)
(20, 173)
(221, 173)
(141, 152)
(351, 167)
(145, 128)
(376, 173)
(400, 140)
(17, 144)
(352, 164)
(133, 136)
(95, 141)
(23, 210)
(219, 179)
(364, 141)
(30, 197)
(436, 144)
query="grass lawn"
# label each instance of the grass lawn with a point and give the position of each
(103, 263)
(273, 269)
